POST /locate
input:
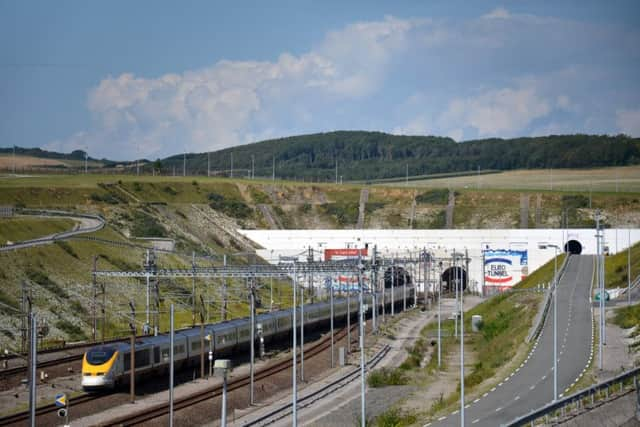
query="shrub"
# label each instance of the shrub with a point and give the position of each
(305, 208)
(394, 417)
(169, 190)
(67, 248)
(43, 280)
(145, 225)
(74, 332)
(386, 376)
(137, 186)
(436, 197)
(344, 213)
(231, 207)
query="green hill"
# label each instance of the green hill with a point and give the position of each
(374, 155)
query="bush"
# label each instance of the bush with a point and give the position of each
(43, 280)
(395, 418)
(231, 207)
(386, 376)
(305, 208)
(169, 190)
(436, 197)
(344, 213)
(137, 186)
(74, 332)
(105, 198)
(145, 225)
(67, 248)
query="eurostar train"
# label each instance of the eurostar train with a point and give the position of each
(106, 366)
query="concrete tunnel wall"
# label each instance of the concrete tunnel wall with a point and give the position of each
(441, 243)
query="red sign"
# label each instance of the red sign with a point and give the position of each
(344, 253)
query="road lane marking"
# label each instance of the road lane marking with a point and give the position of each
(517, 398)
(475, 421)
(532, 387)
(498, 409)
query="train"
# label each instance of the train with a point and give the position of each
(107, 366)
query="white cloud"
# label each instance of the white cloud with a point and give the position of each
(214, 107)
(501, 74)
(498, 13)
(628, 122)
(496, 112)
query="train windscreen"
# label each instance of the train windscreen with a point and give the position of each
(99, 355)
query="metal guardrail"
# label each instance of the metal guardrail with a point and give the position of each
(542, 314)
(57, 236)
(577, 398)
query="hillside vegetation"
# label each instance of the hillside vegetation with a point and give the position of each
(374, 155)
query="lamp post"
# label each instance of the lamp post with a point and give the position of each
(555, 316)
(222, 366)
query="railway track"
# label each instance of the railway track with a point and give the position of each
(162, 409)
(22, 417)
(306, 400)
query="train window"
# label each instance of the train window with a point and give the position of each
(142, 358)
(195, 345)
(100, 355)
(156, 354)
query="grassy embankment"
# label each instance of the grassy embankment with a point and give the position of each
(616, 267)
(16, 229)
(59, 275)
(496, 348)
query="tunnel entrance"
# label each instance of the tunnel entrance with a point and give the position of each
(450, 275)
(573, 247)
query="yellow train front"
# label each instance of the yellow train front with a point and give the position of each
(100, 367)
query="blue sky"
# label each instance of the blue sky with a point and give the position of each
(150, 79)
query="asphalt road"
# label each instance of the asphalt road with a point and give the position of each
(531, 385)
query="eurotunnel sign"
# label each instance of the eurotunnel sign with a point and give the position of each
(503, 268)
(345, 253)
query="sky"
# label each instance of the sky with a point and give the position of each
(148, 79)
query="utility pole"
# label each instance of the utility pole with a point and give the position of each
(253, 169)
(406, 183)
(232, 164)
(439, 317)
(94, 302)
(208, 164)
(14, 159)
(33, 361)
(273, 169)
(171, 363)
(86, 158)
(362, 367)
(331, 322)
(462, 345)
(193, 288)
(252, 307)
(393, 287)
(184, 164)
(224, 291)
(600, 290)
(336, 169)
(310, 262)
(132, 367)
(629, 266)
(295, 345)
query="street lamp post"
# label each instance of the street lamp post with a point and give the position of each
(555, 317)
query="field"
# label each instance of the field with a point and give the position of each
(615, 179)
(7, 162)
